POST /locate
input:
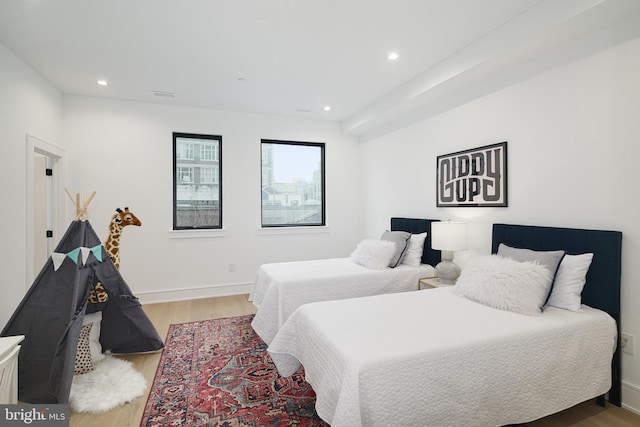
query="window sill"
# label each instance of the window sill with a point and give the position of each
(196, 234)
(275, 231)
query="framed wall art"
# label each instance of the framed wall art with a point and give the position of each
(473, 178)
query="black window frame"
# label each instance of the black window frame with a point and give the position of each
(196, 136)
(323, 204)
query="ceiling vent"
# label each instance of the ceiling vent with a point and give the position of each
(164, 94)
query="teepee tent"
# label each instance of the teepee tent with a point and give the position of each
(51, 315)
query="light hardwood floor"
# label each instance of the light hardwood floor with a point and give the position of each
(164, 314)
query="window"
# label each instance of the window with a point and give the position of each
(209, 175)
(184, 175)
(292, 183)
(185, 151)
(209, 152)
(197, 183)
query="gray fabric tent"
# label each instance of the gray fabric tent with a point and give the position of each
(51, 313)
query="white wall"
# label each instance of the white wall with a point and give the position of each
(573, 150)
(123, 151)
(28, 105)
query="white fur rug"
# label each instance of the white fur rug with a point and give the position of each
(113, 382)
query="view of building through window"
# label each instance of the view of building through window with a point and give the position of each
(292, 183)
(197, 189)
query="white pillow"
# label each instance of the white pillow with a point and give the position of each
(570, 280)
(374, 254)
(413, 256)
(505, 284)
(94, 338)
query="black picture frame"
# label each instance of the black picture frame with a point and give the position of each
(473, 178)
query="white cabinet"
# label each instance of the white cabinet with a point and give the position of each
(9, 350)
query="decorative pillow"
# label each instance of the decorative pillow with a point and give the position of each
(571, 277)
(550, 259)
(413, 255)
(95, 347)
(83, 362)
(505, 284)
(374, 254)
(401, 239)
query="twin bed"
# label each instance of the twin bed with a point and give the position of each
(432, 357)
(280, 288)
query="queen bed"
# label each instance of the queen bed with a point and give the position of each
(280, 288)
(434, 357)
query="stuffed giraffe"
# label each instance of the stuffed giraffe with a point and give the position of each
(121, 219)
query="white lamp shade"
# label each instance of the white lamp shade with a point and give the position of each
(449, 236)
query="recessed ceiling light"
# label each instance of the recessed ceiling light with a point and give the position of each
(327, 108)
(102, 82)
(393, 56)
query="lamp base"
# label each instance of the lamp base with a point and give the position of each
(447, 270)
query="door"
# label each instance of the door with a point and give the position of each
(43, 214)
(43, 185)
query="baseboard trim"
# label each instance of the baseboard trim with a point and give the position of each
(198, 292)
(631, 397)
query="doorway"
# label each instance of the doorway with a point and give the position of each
(43, 190)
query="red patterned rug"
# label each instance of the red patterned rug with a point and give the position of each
(218, 373)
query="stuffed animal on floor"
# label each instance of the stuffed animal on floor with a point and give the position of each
(119, 220)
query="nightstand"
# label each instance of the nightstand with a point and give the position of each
(431, 283)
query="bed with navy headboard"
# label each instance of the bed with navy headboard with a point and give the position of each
(280, 288)
(602, 289)
(446, 359)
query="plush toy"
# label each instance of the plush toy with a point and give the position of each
(118, 221)
(121, 219)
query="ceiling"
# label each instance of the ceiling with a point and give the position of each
(294, 57)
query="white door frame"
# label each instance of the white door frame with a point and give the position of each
(55, 156)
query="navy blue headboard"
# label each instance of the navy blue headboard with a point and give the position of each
(417, 226)
(602, 290)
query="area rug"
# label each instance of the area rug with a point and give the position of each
(112, 383)
(218, 373)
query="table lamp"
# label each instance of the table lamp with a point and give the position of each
(448, 237)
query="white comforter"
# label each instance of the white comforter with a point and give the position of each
(432, 358)
(280, 288)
